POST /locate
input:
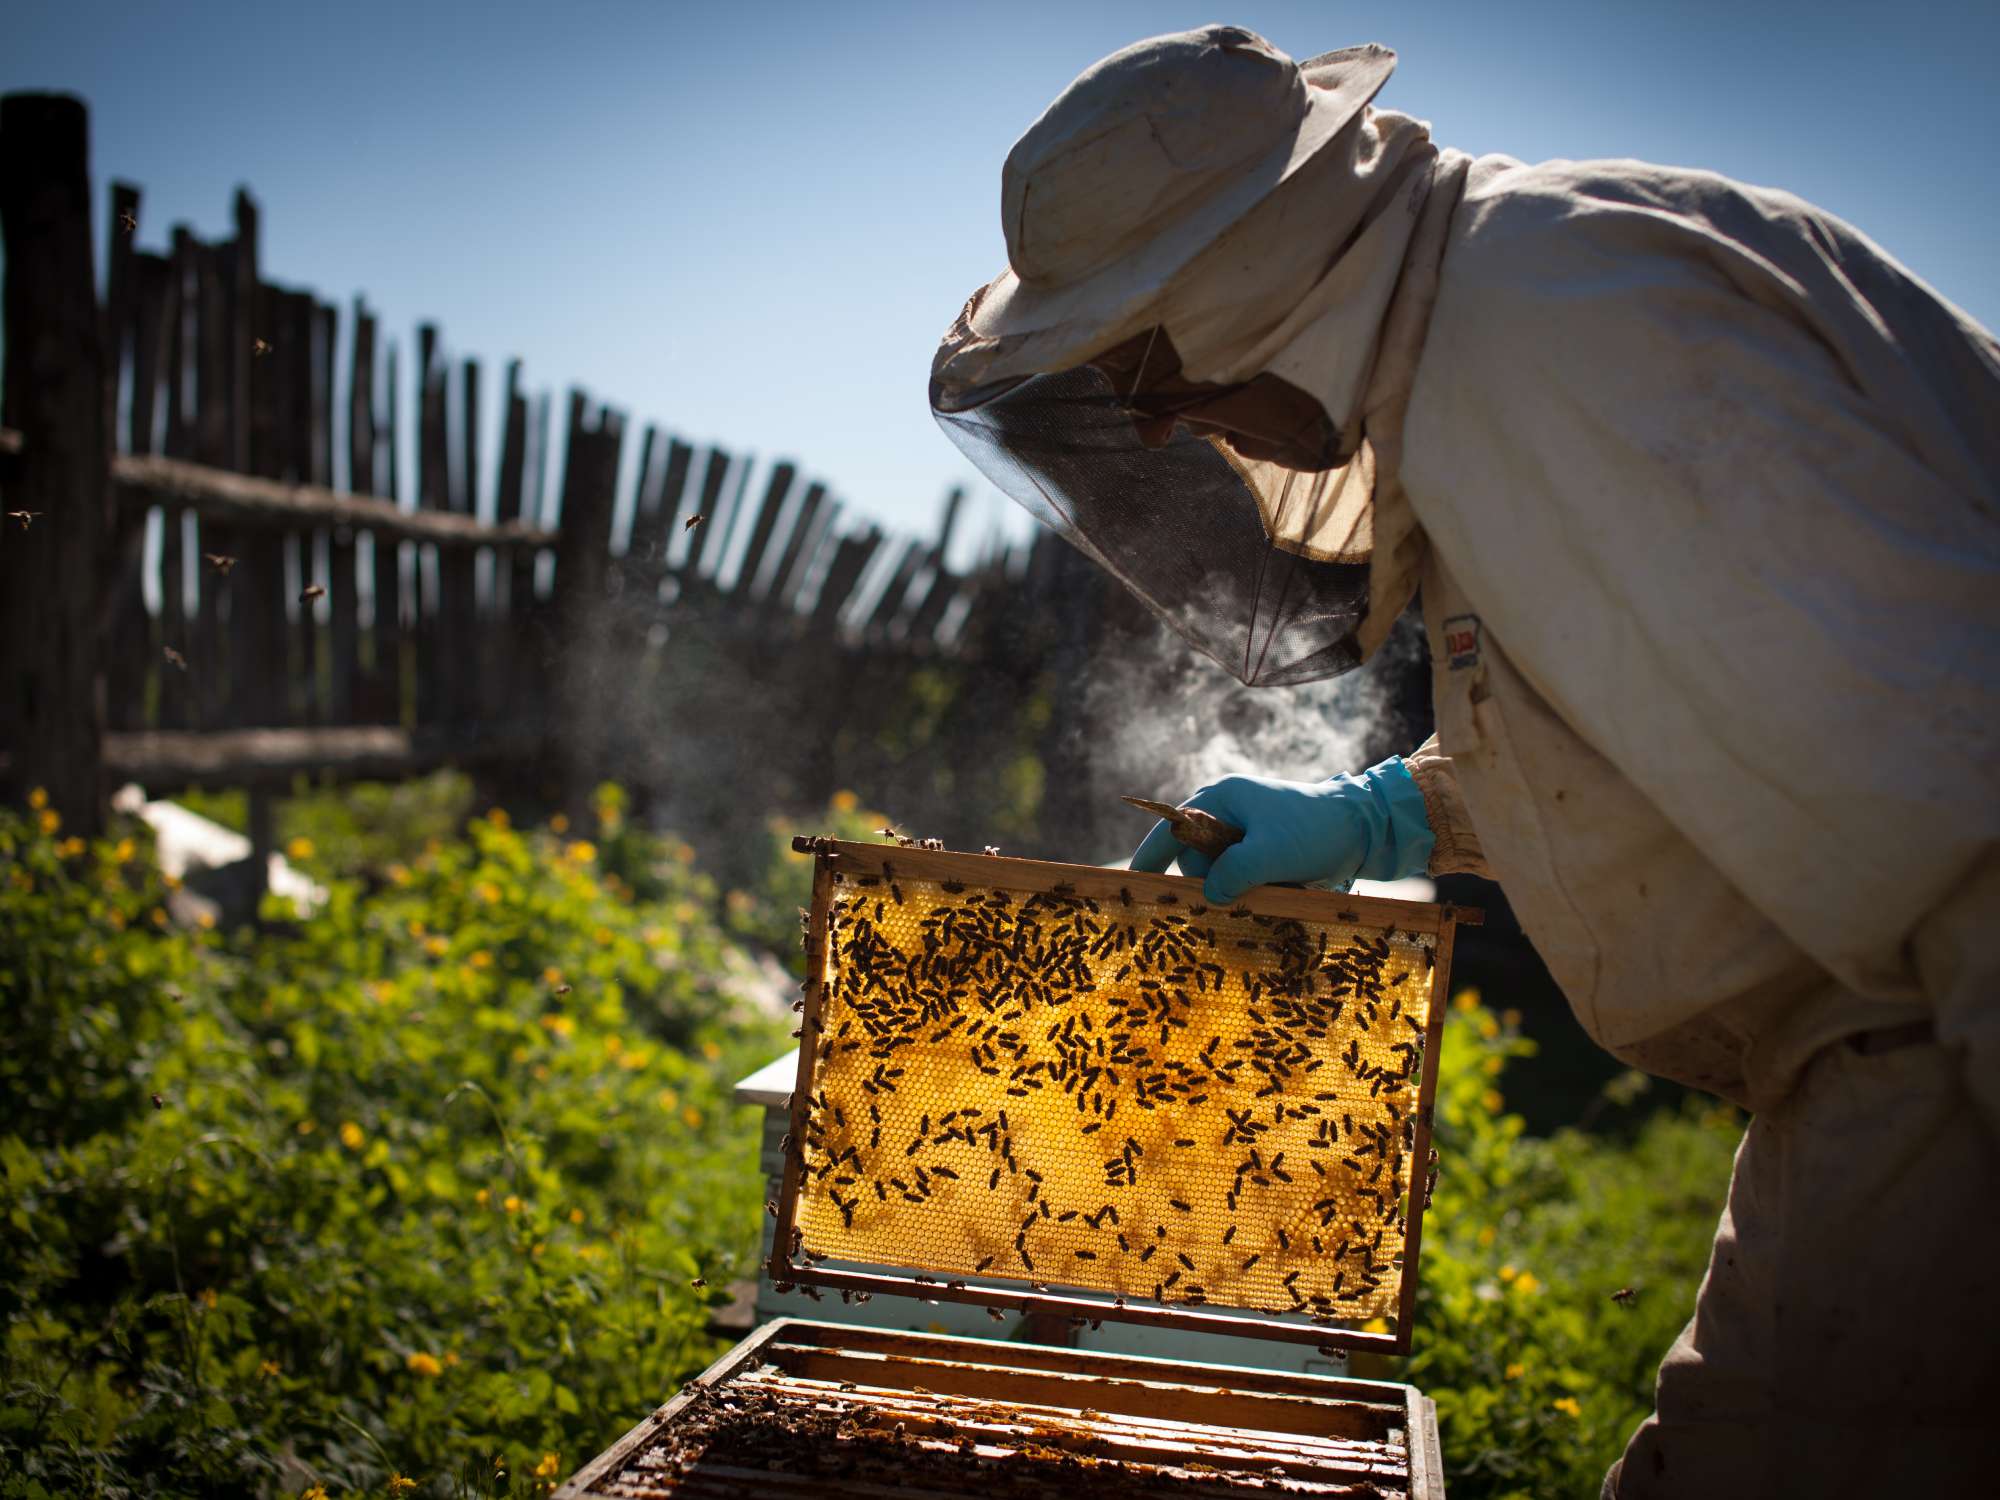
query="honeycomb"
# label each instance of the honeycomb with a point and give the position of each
(1156, 1100)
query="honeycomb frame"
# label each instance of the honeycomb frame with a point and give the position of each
(1082, 1092)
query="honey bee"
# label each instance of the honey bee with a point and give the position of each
(127, 220)
(158, 1102)
(175, 657)
(1625, 1296)
(693, 521)
(993, 849)
(259, 348)
(699, 1282)
(25, 517)
(222, 562)
(311, 592)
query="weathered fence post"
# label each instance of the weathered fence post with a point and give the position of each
(51, 563)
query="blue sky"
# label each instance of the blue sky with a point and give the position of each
(751, 224)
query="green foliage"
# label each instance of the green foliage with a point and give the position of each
(432, 1170)
(363, 827)
(768, 913)
(1538, 1374)
(416, 1186)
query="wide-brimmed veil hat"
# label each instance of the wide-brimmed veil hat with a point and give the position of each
(1145, 162)
(1202, 222)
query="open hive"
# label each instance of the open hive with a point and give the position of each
(825, 1410)
(1062, 1088)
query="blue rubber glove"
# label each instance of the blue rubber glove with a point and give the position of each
(1372, 826)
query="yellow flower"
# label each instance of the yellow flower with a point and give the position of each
(1507, 1273)
(1567, 1405)
(669, 1100)
(38, 798)
(399, 1485)
(558, 1025)
(1516, 1370)
(559, 823)
(1491, 1101)
(209, 1298)
(436, 946)
(845, 801)
(691, 1117)
(613, 1045)
(711, 1051)
(305, 1127)
(1489, 1027)
(537, 1249)
(351, 1135)
(576, 1216)
(1527, 1282)
(1465, 1000)
(157, 916)
(313, 1492)
(70, 848)
(204, 920)
(511, 1203)
(498, 817)
(483, 1197)
(1510, 1017)
(580, 850)
(399, 873)
(299, 848)
(1487, 1235)
(51, 820)
(548, 1467)
(552, 975)
(635, 1062)
(268, 1369)
(425, 1365)
(1492, 1064)
(381, 991)
(487, 891)
(123, 851)
(451, 1356)
(480, 959)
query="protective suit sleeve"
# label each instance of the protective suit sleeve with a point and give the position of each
(1716, 473)
(1455, 848)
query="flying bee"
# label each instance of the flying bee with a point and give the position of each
(693, 521)
(259, 348)
(992, 849)
(1625, 1296)
(311, 592)
(698, 1283)
(25, 517)
(127, 220)
(159, 1103)
(222, 562)
(175, 657)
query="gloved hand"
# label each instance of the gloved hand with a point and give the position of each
(1371, 826)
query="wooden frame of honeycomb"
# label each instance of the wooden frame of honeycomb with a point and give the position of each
(1067, 1090)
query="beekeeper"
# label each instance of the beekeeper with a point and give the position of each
(1701, 490)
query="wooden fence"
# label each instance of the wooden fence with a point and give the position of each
(217, 571)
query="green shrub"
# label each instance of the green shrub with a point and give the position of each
(418, 1186)
(1539, 1374)
(431, 1173)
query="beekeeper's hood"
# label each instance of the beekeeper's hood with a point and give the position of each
(1205, 237)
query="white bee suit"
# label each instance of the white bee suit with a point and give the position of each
(1710, 493)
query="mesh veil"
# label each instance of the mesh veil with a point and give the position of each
(1260, 567)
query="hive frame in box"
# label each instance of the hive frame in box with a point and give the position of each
(1087, 882)
(1226, 1399)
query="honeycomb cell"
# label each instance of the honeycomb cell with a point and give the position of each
(1160, 1101)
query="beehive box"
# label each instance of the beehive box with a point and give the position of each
(832, 1410)
(1084, 1094)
